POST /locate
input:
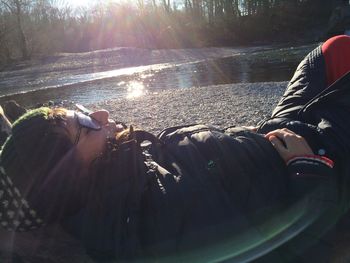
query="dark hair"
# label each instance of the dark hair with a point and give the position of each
(119, 167)
(116, 159)
(117, 182)
(40, 159)
(37, 144)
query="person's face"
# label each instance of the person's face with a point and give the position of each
(90, 142)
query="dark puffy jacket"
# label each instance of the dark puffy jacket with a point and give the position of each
(318, 113)
(321, 115)
(201, 194)
(201, 190)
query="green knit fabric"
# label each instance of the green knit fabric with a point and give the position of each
(19, 164)
(38, 143)
(42, 112)
(27, 133)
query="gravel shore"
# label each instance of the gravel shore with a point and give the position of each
(220, 105)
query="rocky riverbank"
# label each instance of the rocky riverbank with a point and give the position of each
(221, 106)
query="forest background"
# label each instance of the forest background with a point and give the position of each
(32, 28)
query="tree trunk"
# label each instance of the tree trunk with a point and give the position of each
(154, 4)
(196, 9)
(211, 11)
(228, 9)
(166, 5)
(21, 36)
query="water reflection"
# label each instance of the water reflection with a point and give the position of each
(135, 89)
(134, 82)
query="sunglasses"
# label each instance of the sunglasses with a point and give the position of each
(85, 121)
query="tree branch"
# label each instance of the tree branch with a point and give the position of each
(8, 6)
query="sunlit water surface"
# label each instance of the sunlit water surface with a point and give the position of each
(74, 80)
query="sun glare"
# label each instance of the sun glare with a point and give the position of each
(135, 89)
(87, 3)
(77, 3)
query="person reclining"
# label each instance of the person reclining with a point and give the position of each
(128, 194)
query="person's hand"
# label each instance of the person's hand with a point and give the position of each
(288, 144)
(250, 128)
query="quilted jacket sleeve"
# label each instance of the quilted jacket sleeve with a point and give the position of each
(312, 176)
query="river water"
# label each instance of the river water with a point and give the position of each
(131, 72)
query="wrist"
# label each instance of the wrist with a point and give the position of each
(309, 158)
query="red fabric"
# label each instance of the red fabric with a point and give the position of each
(323, 159)
(336, 51)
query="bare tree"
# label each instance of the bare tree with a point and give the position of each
(5, 55)
(167, 6)
(16, 7)
(41, 27)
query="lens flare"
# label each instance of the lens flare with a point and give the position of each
(135, 89)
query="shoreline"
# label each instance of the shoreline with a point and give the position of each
(218, 105)
(40, 59)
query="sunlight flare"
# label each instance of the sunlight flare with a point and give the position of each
(135, 89)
